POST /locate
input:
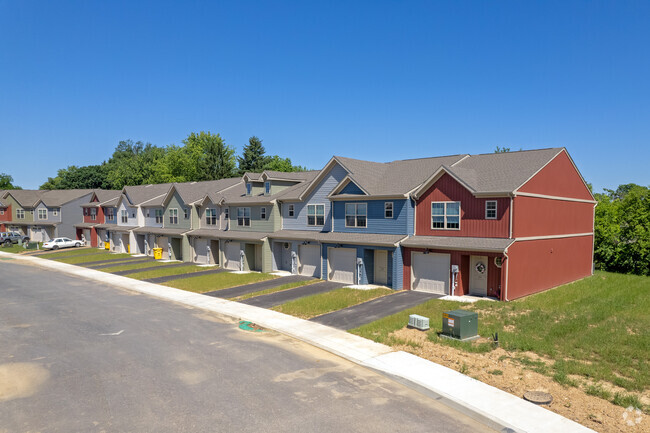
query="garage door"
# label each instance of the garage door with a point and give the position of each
(341, 262)
(232, 256)
(201, 251)
(309, 260)
(430, 272)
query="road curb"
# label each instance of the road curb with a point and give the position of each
(484, 403)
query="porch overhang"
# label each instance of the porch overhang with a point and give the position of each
(458, 243)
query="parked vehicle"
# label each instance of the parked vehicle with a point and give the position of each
(8, 238)
(57, 243)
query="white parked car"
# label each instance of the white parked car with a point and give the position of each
(57, 243)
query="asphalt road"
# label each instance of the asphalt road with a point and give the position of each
(77, 356)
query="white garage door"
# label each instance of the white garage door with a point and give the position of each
(309, 260)
(201, 250)
(342, 262)
(430, 272)
(232, 256)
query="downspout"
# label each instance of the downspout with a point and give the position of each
(505, 292)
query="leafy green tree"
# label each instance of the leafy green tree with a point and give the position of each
(133, 164)
(276, 163)
(501, 149)
(253, 158)
(210, 156)
(73, 177)
(6, 182)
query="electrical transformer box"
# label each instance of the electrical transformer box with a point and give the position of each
(460, 324)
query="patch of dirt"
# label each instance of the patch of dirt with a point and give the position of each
(501, 369)
(21, 380)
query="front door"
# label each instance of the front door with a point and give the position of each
(478, 269)
(381, 267)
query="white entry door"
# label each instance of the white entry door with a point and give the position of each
(430, 272)
(342, 262)
(309, 260)
(478, 270)
(232, 256)
(381, 267)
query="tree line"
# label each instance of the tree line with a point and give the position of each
(202, 156)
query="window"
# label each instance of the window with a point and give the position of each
(42, 214)
(249, 188)
(263, 213)
(186, 213)
(445, 215)
(124, 216)
(355, 214)
(267, 187)
(244, 216)
(388, 209)
(491, 210)
(211, 217)
(173, 216)
(110, 213)
(93, 214)
(226, 213)
(20, 214)
(2, 211)
(315, 214)
(159, 216)
(55, 211)
(291, 210)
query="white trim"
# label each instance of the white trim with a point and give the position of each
(444, 215)
(358, 197)
(342, 184)
(392, 210)
(315, 215)
(553, 197)
(356, 215)
(424, 187)
(536, 238)
(540, 169)
(496, 209)
(460, 160)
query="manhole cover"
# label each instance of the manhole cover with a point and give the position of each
(538, 397)
(250, 326)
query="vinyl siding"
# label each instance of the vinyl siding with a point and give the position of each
(376, 223)
(351, 188)
(367, 254)
(271, 224)
(175, 202)
(131, 212)
(318, 196)
(15, 207)
(70, 214)
(110, 220)
(558, 178)
(150, 221)
(279, 185)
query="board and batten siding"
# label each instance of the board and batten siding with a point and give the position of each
(376, 223)
(318, 196)
(175, 202)
(472, 210)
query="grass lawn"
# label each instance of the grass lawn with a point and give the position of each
(68, 252)
(91, 257)
(125, 266)
(274, 289)
(166, 271)
(593, 330)
(15, 248)
(315, 305)
(222, 280)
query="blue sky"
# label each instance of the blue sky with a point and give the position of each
(378, 80)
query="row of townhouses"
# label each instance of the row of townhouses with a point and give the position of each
(502, 225)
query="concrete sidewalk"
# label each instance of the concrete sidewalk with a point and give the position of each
(489, 405)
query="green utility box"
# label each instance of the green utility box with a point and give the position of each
(460, 324)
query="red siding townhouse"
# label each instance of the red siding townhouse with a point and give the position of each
(503, 225)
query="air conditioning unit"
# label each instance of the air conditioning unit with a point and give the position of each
(418, 322)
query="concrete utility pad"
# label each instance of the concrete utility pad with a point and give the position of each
(277, 298)
(233, 292)
(357, 315)
(181, 276)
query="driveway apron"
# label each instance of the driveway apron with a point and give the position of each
(277, 298)
(357, 315)
(233, 292)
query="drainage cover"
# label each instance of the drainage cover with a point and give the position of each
(250, 326)
(538, 397)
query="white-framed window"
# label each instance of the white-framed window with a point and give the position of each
(244, 216)
(186, 213)
(267, 187)
(249, 188)
(124, 216)
(110, 213)
(356, 214)
(42, 214)
(315, 214)
(159, 215)
(491, 210)
(93, 214)
(388, 209)
(55, 211)
(173, 216)
(292, 210)
(226, 213)
(263, 213)
(445, 215)
(2, 211)
(20, 214)
(211, 217)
